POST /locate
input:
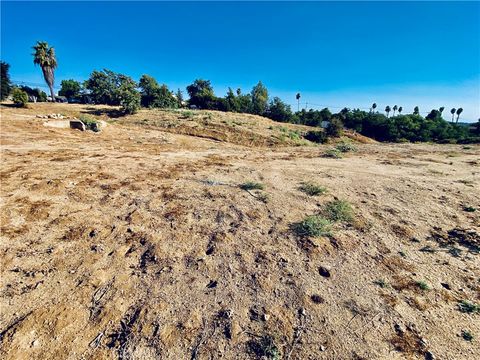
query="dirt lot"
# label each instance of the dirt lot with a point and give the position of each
(138, 243)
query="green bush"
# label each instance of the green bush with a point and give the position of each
(313, 226)
(316, 136)
(338, 210)
(90, 123)
(20, 97)
(468, 307)
(335, 128)
(345, 147)
(250, 185)
(332, 153)
(312, 189)
(129, 97)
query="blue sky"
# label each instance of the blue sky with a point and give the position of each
(334, 53)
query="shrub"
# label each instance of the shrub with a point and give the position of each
(314, 226)
(345, 147)
(250, 185)
(338, 210)
(90, 123)
(20, 97)
(316, 136)
(312, 189)
(468, 307)
(422, 285)
(467, 335)
(129, 97)
(335, 128)
(333, 154)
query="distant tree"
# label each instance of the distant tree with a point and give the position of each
(374, 106)
(416, 110)
(149, 89)
(201, 94)
(259, 99)
(279, 111)
(232, 101)
(37, 94)
(44, 56)
(441, 109)
(400, 109)
(70, 88)
(452, 111)
(387, 110)
(395, 107)
(298, 101)
(6, 85)
(434, 114)
(459, 111)
(179, 97)
(127, 95)
(20, 97)
(103, 86)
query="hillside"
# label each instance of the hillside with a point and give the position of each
(143, 241)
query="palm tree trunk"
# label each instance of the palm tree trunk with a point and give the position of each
(52, 93)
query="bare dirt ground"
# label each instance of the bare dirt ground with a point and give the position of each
(137, 243)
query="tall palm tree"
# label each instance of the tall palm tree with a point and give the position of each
(44, 56)
(374, 106)
(395, 107)
(441, 109)
(387, 110)
(416, 110)
(459, 111)
(400, 109)
(452, 111)
(298, 101)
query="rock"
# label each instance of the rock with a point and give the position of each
(446, 286)
(399, 329)
(324, 271)
(77, 124)
(265, 317)
(322, 348)
(429, 356)
(35, 343)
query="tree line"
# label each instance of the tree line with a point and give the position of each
(108, 87)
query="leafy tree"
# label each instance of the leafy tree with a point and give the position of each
(201, 94)
(44, 56)
(395, 107)
(103, 86)
(259, 99)
(40, 95)
(6, 85)
(149, 90)
(459, 111)
(279, 111)
(232, 101)
(434, 114)
(387, 110)
(20, 97)
(452, 111)
(70, 88)
(179, 97)
(127, 95)
(416, 110)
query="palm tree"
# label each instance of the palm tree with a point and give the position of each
(298, 101)
(416, 110)
(44, 56)
(452, 111)
(441, 109)
(400, 109)
(387, 110)
(459, 111)
(374, 106)
(395, 107)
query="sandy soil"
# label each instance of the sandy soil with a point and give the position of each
(137, 243)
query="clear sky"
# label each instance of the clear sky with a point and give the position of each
(333, 53)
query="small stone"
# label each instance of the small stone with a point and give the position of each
(317, 299)
(322, 348)
(35, 343)
(399, 329)
(446, 286)
(265, 317)
(429, 356)
(324, 271)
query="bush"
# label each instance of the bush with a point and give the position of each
(335, 128)
(250, 185)
(312, 189)
(338, 210)
(313, 226)
(20, 97)
(468, 307)
(332, 153)
(345, 147)
(316, 136)
(129, 97)
(90, 123)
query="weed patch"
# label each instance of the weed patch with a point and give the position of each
(312, 189)
(468, 307)
(250, 185)
(313, 226)
(338, 210)
(332, 154)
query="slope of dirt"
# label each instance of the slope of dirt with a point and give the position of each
(138, 243)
